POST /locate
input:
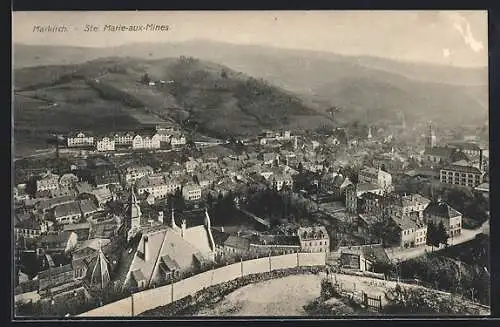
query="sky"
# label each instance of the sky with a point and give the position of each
(457, 38)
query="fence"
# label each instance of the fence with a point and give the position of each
(146, 300)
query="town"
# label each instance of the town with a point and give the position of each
(106, 216)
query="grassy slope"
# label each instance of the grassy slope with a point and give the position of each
(220, 101)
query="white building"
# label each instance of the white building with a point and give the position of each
(191, 192)
(314, 239)
(177, 140)
(146, 142)
(134, 173)
(47, 182)
(158, 186)
(80, 139)
(375, 176)
(105, 144)
(124, 139)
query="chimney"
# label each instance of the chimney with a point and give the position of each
(183, 227)
(481, 160)
(145, 248)
(160, 217)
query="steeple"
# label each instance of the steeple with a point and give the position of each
(430, 141)
(172, 222)
(369, 132)
(135, 210)
(100, 273)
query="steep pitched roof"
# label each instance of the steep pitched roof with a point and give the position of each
(441, 209)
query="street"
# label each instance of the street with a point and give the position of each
(401, 254)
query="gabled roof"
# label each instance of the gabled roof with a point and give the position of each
(219, 237)
(237, 242)
(66, 209)
(445, 152)
(441, 209)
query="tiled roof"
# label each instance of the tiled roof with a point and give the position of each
(440, 151)
(219, 237)
(237, 242)
(441, 209)
(66, 209)
(87, 206)
(463, 169)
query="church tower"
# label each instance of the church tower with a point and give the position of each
(134, 211)
(430, 140)
(369, 133)
(100, 274)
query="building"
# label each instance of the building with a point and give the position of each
(191, 192)
(413, 230)
(314, 239)
(438, 155)
(173, 251)
(236, 246)
(134, 173)
(80, 139)
(430, 138)
(354, 191)
(47, 182)
(105, 144)
(67, 213)
(375, 176)
(27, 228)
(123, 139)
(158, 186)
(460, 173)
(278, 181)
(266, 245)
(146, 142)
(404, 204)
(363, 257)
(177, 140)
(134, 213)
(469, 148)
(440, 212)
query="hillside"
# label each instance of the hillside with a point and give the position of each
(106, 94)
(364, 88)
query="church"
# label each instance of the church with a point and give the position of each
(175, 247)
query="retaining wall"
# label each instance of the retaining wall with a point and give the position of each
(152, 298)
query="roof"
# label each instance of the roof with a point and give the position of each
(47, 204)
(289, 240)
(441, 209)
(219, 237)
(55, 271)
(237, 242)
(406, 223)
(84, 187)
(74, 227)
(169, 263)
(67, 209)
(29, 223)
(440, 151)
(465, 145)
(483, 187)
(462, 169)
(365, 187)
(192, 217)
(315, 232)
(375, 253)
(57, 238)
(87, 206)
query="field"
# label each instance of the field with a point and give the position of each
(278, 297)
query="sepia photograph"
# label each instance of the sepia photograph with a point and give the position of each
(258, 164)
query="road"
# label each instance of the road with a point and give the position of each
(401, 254)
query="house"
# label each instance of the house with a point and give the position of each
(469, 148)
(68, 180)
(413, 230)
(264, 245)
(404, 204)
(191, 192)
(80, 139)
(105, 144)
(102, 195)
(82, 230)
(48, 204)
(354, 191)
(440, 212)
(375, 176)
(56, 280)
(461, 173)
(27, 228)
(62, 191)
(88, 207)
(134, 173)
(146, 141)
(236, 245)
(269, 158)
(219, 238)
(388, 162)
(59, 242)
(177, 140)
(106, 177)
(47, 182)
(438, 155)
(314, 239)
(157, 185)
(171, 251)
(20, 193)
(164, 133)
(191, 165)
(67, 213)
(363, 257)
(278, 181)
(123, 139)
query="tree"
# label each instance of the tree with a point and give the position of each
(431, 235)
(441, 234)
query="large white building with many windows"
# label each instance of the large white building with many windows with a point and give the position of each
(146, 142)
(105, 144)
(460, 173)
(80, 139)
(191, 192)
